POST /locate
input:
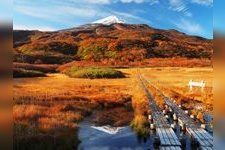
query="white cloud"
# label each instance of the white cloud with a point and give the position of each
(151, 2)
(81, 12)
(97, 1)
(28, 27)
(179, 6)
(203, 2)
(72, 13)
(128, 15)
(59, 13)
(141, 1)
(83, 2)
(188, 26)
(33, 11)
(188, 13)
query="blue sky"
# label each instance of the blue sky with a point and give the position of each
(193, 17)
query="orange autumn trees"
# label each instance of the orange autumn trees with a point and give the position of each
(114, 44)
(95, 50)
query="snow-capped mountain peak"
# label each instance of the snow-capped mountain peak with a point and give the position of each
(109, 20)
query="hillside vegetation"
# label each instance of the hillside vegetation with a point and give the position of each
(110, 45)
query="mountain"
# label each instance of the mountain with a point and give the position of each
(108, 42)
(109, 20)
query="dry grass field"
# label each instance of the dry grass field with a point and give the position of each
(47, 109)
(174, 83)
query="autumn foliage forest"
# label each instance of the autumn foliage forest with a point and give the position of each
(119, 45)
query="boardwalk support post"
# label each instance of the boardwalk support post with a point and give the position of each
(150, 118)
(183, 126)
(173, 126)
(152, 126)
(203, 126)
(175, 117)
(192, 116)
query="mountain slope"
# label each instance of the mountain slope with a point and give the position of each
(117, 42)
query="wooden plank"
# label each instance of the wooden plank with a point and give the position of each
(206, 148)
(206, 136)
(199, 138)
(162, 148)
(169, 148)
(203, 137)
(164, 136)
(169, 136)
(168, 142)
(162, 141)
(202, 141)
(170, 139)
(176, 148)
(174, 137)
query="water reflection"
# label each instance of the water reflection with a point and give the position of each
(111, 138)
(123, 138)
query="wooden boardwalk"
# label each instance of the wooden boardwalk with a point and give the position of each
(193, 128)
(204, 138)
(168, 138)
(169, 148)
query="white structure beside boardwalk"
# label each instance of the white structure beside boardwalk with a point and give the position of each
(196, 84)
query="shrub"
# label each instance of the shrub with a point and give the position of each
(93, 73)
(18, 73)
(45, 68)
